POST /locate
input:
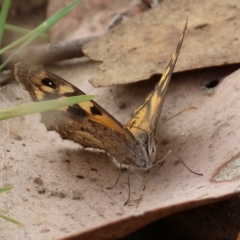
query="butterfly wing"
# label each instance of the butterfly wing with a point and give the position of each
(43, 85)
(90, 125)
(145, 117)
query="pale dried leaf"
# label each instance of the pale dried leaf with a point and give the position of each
(143, 45)
(43, 169)
(89, 18)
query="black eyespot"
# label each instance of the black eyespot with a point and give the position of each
(49, 83)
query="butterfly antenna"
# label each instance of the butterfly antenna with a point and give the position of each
(140, 129)
(187, 109)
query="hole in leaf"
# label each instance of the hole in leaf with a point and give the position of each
(212, 83)
(209, 86)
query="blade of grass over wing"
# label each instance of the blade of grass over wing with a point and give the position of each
(3, 17)
(29, 37)
(35, 107)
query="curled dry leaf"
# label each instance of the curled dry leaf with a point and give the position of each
(72, 197)
(141, 47)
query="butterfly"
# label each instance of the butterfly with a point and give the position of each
(133, 144)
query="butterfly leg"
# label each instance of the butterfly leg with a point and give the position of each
(119, 174)
(162, 158)
(199, 174)
(129, 190)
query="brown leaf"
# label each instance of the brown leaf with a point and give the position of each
(143, 45)
(205, 139)
(89, 18)
(73, 199)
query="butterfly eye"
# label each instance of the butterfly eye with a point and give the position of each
(49, 83)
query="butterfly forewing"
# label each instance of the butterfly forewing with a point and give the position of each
(145, 117)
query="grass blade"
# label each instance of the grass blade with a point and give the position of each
(3, 17)
(42, 106)
(5, 189)
(29, 37)
(16, 29)
(11, 220)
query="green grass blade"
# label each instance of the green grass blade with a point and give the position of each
(5, 189)
(11, 220)
(3, 17)
(16, 29)
(42, 106)
(2, 190)
(38, 30)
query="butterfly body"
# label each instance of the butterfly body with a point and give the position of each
(91, 126)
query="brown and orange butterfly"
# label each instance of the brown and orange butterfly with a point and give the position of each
(88, 124)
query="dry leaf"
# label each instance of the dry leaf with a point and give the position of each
(63, 187)
(89, 18)
(143, 45)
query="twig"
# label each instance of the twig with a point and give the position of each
(49, 53)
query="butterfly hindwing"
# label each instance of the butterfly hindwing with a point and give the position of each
(43, 85)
